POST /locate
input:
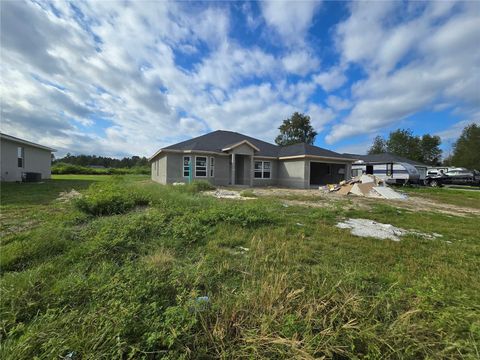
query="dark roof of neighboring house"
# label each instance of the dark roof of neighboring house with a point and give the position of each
(383, 158)
(25, 142)
(221, 139)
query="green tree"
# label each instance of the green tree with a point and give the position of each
(466, 150)
(379, 146)
(402, 142)
(296, 129)
(431, 153)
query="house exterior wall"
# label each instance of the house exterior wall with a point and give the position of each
(171, 169)
(159, 169)
(273, 181)
(243, 149)
(293, 173)
(35, 160)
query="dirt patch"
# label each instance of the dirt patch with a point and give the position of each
(66, 196)
(318, 198)
(227, 194)
(370, 228)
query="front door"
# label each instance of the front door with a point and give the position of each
(239, 170)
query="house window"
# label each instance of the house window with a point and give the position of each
(262, 170)
(200, 166)
(157, 163)
(20, 157)
(186, 166)
(212, 167)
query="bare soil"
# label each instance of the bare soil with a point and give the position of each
(319, 198)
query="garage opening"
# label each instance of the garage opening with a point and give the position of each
(324, 173)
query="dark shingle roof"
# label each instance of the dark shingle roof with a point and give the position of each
(384, 157)
(221, 139)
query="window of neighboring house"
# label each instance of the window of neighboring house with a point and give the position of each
(262, 170)
(186, 166)
(200, 166)
(212, 167)
(157, 163)
(20, 157)
(389, 169)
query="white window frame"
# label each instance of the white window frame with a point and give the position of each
(212, 167)
(21, 155)
(204, 167)
(262, 170)
(186, 168)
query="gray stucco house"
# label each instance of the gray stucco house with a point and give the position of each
(229, 158)
(20, 156)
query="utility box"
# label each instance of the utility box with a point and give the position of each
(31, 177)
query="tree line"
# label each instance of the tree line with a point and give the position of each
(402, 142)
(107, 162)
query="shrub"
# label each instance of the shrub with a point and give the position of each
(64, 168)
(110, 198)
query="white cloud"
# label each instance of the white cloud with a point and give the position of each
(291, 20)
(445, 69)
(338, 103)
(330, 80)
(300, 62)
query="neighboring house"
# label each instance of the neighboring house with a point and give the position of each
(389, 166)
(230, 158)
(20, 156)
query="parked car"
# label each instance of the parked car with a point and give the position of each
(458, 176)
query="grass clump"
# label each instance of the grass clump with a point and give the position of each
(199, 185)
(248, 193)
(110, 198)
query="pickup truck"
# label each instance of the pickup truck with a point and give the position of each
(459, 176)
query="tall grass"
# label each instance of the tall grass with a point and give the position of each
(131, 283)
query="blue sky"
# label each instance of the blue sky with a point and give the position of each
(126, 78)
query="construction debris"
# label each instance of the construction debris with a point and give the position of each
(370, 228)
(227, 194)
(365, 185)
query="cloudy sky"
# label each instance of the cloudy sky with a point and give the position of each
(124, 78)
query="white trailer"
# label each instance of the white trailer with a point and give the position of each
(391, 172)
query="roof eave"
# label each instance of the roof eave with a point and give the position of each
(26, 142)
(315, 157)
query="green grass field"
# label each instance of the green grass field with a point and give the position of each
(138, 270)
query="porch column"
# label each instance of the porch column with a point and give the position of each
(348, 171)
(252, 162)
(233, 169)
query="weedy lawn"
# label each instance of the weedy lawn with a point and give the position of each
(134, 269)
